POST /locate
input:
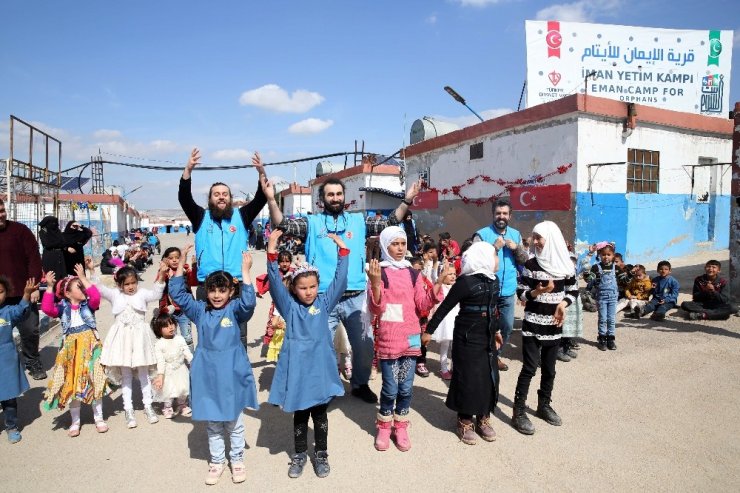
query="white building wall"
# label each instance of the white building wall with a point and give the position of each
(364, 200)
(297, 203)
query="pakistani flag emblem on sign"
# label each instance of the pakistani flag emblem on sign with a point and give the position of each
(715, 48)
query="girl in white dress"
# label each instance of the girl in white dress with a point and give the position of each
(129, 347)
(173, 378)
(445, 329)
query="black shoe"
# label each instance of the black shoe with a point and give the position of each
(520, 420)
(570, 352)
(363, 392)
(657, 317)
(611, 343)
(562, 356)
(574, 345)
(601, 343)
(321, 463)
(296, 464)
(547, 413)
(36, 371)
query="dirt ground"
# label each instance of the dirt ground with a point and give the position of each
(662, 413)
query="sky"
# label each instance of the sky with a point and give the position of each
(147, 81)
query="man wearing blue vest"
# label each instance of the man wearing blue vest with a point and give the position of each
(353, 228)
(508, 243)
(220, 235)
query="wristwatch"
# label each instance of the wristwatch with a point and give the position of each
(407, 202)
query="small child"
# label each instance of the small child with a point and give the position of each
(665, 293)
(711, 299)
(638, 291)
(77, 377)
(173, 379)
(13, 382)
(417, 263)
(305, 378)
(445, 330)
(396, 295)
(221, 378)
(129, 347)
(171, 257)
(573, 323)
(604, 276)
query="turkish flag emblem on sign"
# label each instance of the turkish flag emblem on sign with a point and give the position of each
(426, 200)
(545, 198)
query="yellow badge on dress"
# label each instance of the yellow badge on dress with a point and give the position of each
(4, 322)
(226, 322)
(313, 310)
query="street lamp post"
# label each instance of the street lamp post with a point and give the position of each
(461, 100)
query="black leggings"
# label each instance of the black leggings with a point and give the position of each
(320, 428)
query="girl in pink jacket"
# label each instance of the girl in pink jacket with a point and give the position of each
(396, 293)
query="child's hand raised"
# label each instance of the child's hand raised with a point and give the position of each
(374, 272)
(273, 240)
(338, 240)
(50, 279)
(246, 261)
(30, 287)
(89, 263)
(163, 268)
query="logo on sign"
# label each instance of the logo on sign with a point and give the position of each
(712, 90)
(715, 48)
(554, 77)
(553, 39)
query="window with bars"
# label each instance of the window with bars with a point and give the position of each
(643, 171)
(476, 151)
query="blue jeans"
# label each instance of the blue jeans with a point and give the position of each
(216, 445)
(506, 306)
(348, 310)
(607, 316)
(398, 384)
(659, 309)
(183, 322)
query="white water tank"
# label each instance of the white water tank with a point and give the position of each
(327, 167)
(427, 128)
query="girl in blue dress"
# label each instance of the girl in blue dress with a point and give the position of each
(221, 379)
(306, 377)
(13, 380)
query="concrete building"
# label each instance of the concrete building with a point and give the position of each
(111, 214)
(651, 180)
(296, 200)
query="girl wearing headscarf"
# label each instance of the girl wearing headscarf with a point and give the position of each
(547, 286)
(475, 342)
(396, 294)
(52, 241)
(75, 237)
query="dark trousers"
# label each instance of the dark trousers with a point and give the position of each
(712, 312)
(320, 428)
(659, 309)
(29, 332)
(201, 295)
(10, 409)
(535, 351)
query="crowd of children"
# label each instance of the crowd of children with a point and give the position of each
(441, 292)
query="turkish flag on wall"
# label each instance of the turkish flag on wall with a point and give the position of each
(426, 200)
(545, 198)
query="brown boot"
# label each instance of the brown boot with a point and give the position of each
(484, 429)
(466, 432)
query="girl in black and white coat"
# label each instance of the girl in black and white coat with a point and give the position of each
(548, 286)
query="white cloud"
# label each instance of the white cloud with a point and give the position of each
(468, 120)
(310, 126)
(106, 134)
(581, 11)
(231, 155)
(432, 19)
(275, 98)
(478, 3)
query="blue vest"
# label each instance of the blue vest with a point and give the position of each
(506, 273)
(66, 315)
(219, 245)
(322, 252)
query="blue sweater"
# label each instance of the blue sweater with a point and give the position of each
(665, 289)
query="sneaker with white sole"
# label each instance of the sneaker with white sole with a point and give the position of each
(214, 473)
(130, 418)
(151, 416)
(238, 472)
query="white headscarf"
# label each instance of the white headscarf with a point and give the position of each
(386, 238)
(480, 258)
(554, 257)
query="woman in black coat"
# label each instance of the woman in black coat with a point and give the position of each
(75, 237)
(475, 342)
(52, 241)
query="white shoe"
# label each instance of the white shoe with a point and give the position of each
(151, 415)
(130, 418)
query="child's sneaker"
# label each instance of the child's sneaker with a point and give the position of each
(184, 410)
(445, 375)
(151, 416)
(601, 343)
(238, 472)
(130, 418)
(321, 463)
(214, 473)
(168, 412)
(611, 344)
(696, 316)
(101, 426)
(421, 370)
(296, 465)
(14, 436)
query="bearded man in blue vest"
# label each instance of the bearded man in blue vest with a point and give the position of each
(354, 229)
(220, 235)
(508, 243)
